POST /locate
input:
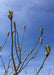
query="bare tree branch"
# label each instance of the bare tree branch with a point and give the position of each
(30, 53)
(3, 63)
(12, 47)
(4, 42)
(30, 58)
(41, 65)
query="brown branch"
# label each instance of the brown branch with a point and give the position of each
(20, 49)
(37, 49)
(16, 45)
(41, 65)
(12, 47)
(3, 63)
(4, 43)
(10, 62)
(23, 51)
(21, 46)
(30, 53)
(22, 38)
(18, 40)
(30, 58)
(15, 53)
(9, 65)
(11, 68)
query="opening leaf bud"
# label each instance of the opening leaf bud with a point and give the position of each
(31, 50)
(40, 40)
(24, 27)
(14, 24)
(41, 30)
(8, 33)
(10, 15)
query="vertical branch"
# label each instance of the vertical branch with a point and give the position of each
(19, 49)
(22, 39)
(12, 47)
(18, 56)
(21, 45)
(15, 43)
(18, 40)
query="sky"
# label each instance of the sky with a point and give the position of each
(34, 14)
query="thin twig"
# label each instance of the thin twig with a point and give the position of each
(12, 47)
(20, 49)
(22, 38)
(3, 63)
(31, 58)
(29, 53)
(4, 43)
(41, 65)
(16, 45)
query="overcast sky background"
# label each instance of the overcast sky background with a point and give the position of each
(34, 14)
